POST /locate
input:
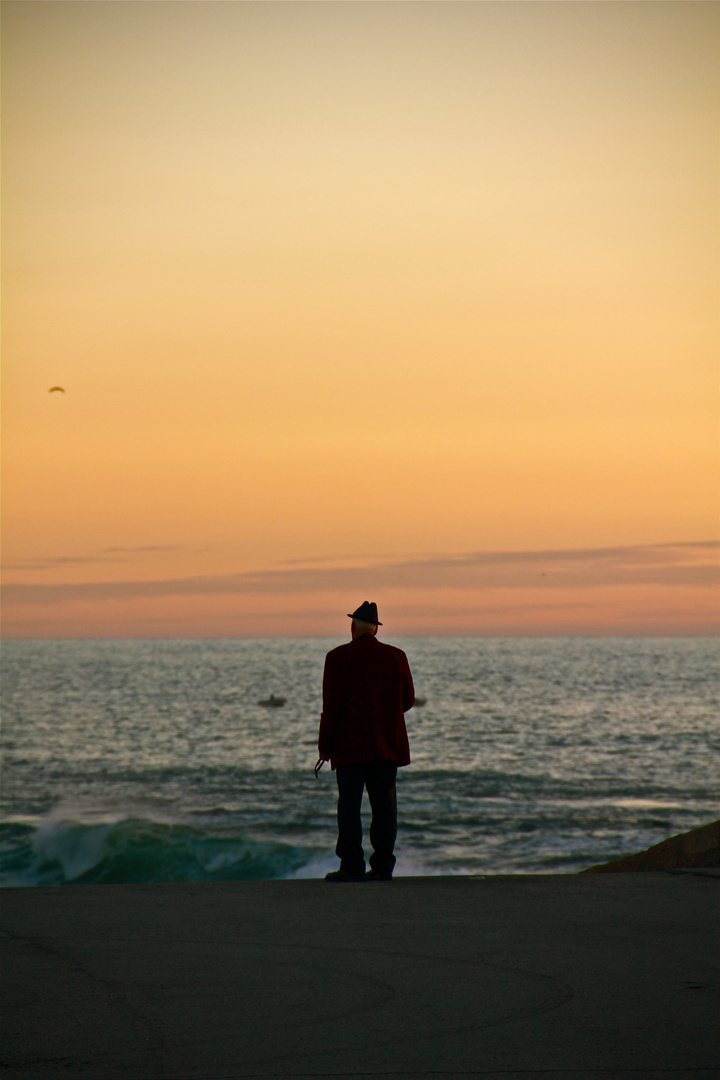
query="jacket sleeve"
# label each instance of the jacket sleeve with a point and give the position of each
(408, 690)
(331, 708)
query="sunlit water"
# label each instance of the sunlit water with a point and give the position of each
(153, 761)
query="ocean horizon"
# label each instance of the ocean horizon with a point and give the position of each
(129, 760)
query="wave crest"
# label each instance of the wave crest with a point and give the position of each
(136, 850)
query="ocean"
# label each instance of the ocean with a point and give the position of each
(153, 761)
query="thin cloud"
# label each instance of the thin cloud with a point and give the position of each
(682, 564)
(337, 560)
(106, 555)
(146, 547)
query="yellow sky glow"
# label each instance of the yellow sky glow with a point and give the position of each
(358, 285)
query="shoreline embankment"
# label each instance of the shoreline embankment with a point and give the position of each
(696, 849)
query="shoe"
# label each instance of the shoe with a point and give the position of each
(342, 875)
(378, 875)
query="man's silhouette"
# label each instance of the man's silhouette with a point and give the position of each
(367, 687)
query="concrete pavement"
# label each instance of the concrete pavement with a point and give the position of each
(607, 976)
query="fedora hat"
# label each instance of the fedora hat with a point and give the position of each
(367, 612)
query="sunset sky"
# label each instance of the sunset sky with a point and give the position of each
(407, 302)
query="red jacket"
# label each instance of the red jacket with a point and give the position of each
(367, 686)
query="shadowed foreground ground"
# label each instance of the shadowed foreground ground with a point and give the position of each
(608, 976)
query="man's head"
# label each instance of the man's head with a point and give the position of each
(365, 619)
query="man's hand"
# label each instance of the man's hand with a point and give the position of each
(320, 762)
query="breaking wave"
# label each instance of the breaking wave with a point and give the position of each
(59, 851)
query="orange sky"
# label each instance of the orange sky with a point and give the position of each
(412, 302)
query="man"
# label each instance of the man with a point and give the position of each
(367, 687)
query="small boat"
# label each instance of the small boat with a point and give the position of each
(420, 701)
(273, 702)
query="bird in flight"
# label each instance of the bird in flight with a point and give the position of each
(54, 388)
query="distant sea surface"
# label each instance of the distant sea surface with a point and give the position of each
(151, 760)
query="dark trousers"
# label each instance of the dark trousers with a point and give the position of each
(379, 779)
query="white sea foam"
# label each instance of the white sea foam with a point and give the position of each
(647, 804)
(77, 848)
